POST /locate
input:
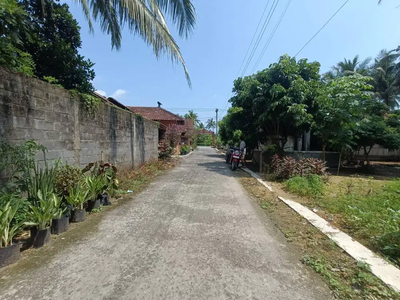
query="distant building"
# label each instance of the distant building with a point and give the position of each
(166, 119)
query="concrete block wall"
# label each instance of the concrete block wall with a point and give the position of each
(31, 109)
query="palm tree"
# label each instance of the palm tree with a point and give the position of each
(146, 19)
(210, 125)
(386, 75)
(192, 115)
(350, 67)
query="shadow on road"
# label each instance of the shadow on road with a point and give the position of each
(222, 168)
(216, 156)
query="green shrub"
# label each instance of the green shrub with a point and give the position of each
(389, 244)
(185, 149)
(42, 180)
(95, 186)
(310, 185)
(67, 177)
(16, 164)
(78, 196)
(8, 210)
(44, 210)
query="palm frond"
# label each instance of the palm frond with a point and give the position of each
(86, 12)
(182, 12)
(145, 18)
(104, 11)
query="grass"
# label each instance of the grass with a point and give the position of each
(311, 185)
(368, 209)
(346, 278)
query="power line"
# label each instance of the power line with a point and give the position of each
(322, 28)
(252, 39)
(271, 36)
(261, 34)
(259, 37)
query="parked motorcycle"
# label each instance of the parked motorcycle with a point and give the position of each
(235, 158)
(228, 154)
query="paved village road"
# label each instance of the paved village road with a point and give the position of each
(194, 233)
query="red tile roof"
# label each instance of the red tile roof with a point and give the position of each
(155, 113)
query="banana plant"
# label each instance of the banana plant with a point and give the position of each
(8, 228)
(45, 210)
(78, 196)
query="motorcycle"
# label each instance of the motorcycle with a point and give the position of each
(235, 158)
(228, 154)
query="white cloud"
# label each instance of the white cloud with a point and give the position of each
(119, 93)
(103, 93)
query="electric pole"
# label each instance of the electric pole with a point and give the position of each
(216, 121)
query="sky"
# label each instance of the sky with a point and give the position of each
(216, 50)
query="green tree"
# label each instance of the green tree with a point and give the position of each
(192, 115)
(210, 125)
(283, 99)
(12, 17)
(53, 41)
(337, 110)
(146, 19)
(349, 67)
(386, 76)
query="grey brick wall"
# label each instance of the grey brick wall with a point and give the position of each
(33, 109)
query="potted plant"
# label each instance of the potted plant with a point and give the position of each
(60, 222)
(9, 252)
(95, 186)
(77, 198)
(41, 214)
(110, 185)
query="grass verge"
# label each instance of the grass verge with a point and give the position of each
(346, 278)
(367, 209)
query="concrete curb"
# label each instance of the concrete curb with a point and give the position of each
(385, 271)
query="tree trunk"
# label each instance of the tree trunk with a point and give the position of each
(340, 162)
(323, 152)
(366, 153)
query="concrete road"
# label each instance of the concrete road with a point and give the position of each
(194, 233)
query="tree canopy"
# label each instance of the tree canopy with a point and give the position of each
(42, 39)
(350, 107)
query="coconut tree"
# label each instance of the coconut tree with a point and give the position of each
(350, 67)
(192, 115)
(386, 75)
(146, 19)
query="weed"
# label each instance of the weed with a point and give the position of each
(346, 278)
(311, 185)
(97, 210)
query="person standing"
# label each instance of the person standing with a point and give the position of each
(243, 152)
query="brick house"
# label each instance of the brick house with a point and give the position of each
(166, 119)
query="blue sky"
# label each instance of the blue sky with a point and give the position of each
(215, 51)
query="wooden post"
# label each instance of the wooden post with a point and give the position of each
(261, 161)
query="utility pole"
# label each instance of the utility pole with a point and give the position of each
(216, 121)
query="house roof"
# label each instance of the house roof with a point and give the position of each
(204, 131)
(155, 113)
(110, 100)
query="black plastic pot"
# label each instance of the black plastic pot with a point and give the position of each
(78, 215)
(59, 225)
(10, 254)
(93, 204)
(42, 238)
(34, 232)
(105, 199)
